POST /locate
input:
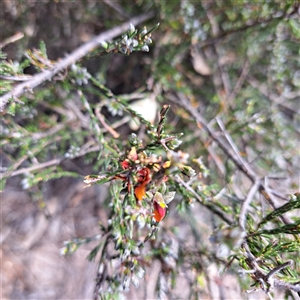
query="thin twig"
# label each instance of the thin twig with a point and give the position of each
(221, 37)
(278, 269)
(286, 285)
(231, 143)
(11, 172)
(277, 99)
(102, 267)
(17, 36)
(16, 77)
(211, 18)
(203, 124)
(210, 206)
(246, 204)
(101, 276)
(106, 126)
(51, 131)
(223, 72)
(70, 59)
(53, 162)
(117, 7)
(245, 168)
(239, 83)
(222, 76)
(263, 278)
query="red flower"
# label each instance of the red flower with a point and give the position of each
(159, 212)
(143, 179)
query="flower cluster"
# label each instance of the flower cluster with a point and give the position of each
(139, 172)
(80, 74)
(142, 186)
(144, 177)
(133, 40)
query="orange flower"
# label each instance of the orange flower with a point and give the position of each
(159, 212)
(143, 179)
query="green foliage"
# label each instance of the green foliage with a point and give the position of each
(247, 82)
(294, 203)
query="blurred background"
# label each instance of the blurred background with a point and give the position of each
(235, 60)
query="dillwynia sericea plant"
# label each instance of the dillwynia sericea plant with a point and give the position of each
(141, 188)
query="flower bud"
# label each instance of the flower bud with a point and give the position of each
(104, 45)
(144, 31)
(145, 48)
(159, 212)
(131, 29)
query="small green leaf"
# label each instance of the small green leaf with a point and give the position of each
(12, 109)
(291, 205)
(43, 48)
(293, 228)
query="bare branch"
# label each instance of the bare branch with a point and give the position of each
(286, 285)
(11, 172)
(231, 143)
(272, 97)
(53, 162)
(106, 126)
(263, 278)
(246, 204)
(210, 206)
(117, 7)
(70, 59)
(17, 36)
(278, 269)
(244, 167)
(203, 124)
(239, 83)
